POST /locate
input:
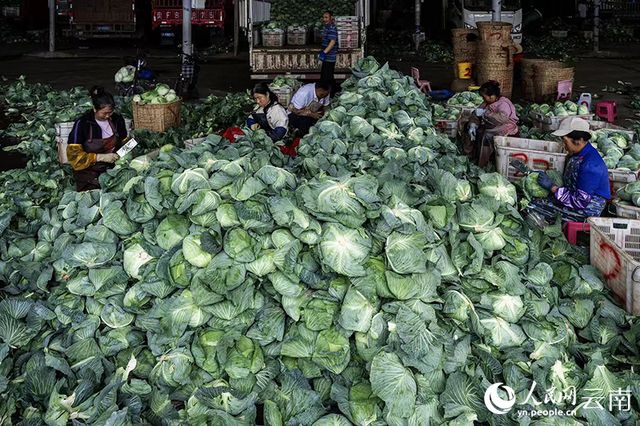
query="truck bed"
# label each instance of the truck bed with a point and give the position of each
(103, 12)
(299, 61)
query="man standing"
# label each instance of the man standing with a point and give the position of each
(307, 106)
(329, 51)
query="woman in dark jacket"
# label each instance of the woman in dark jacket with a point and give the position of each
(94, 140)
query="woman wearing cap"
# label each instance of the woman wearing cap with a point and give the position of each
(495, 117)
(585, 190)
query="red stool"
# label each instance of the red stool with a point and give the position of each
(607, 110)
(573, 229)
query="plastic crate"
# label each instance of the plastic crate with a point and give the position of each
(190, 143)
(615, 251)
(273, 39)
(297, 37)
(626, 210)
(448, 127)
(549, 124)
(536, 154)
(344, 19)
(348, 39)
(284, 94)
(621, 177)
(63, 130)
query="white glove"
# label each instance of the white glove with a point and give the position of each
(107, 158)
(473, 127)
(480, 112)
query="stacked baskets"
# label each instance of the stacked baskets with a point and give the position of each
(495, 55)
(347, 32)
(465, 46)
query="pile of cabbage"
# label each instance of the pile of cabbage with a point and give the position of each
(560, 109)
(377, 278)
(125, 74)
(465, 99)
(441, 112)
(617, 149)
(290, 12)
(161, 94)
(630, 193)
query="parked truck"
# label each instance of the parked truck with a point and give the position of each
(167, 16)
(300, 62)
(102, 18)
(467, 13)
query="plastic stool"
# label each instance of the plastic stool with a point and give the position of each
(585, 99)
(607, 110)
(565, 88)
(572, 229)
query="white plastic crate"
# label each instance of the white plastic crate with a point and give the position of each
(615, 251)
(284, 94)
(448, 127)
(626, 210)
(348, 39)
(549, 124)
(621, 177)
(536, 154)
(343, 19)
(190, 143)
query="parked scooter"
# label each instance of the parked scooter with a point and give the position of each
(135, 78)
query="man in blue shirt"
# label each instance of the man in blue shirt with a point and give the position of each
(585, 189)
(329, 51)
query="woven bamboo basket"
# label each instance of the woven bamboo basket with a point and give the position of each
(156, 117)
(528, 75)
(495, 32)
(547, 77)
(496, 63)
(463, 39)
(503, 75)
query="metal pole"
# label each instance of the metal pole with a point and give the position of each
(417, 21)
(187, 47)
(496, 7)
(52, 26)
(596, 26)
(236, 26)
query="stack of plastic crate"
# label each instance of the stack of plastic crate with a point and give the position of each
(347, 32)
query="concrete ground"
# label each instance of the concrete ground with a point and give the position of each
(225, 73)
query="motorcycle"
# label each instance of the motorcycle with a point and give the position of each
(135, 77)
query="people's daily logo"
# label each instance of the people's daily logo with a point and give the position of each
(495, 403)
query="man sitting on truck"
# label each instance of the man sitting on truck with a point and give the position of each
(307, 106)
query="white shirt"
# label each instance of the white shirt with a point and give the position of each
(306, 95)
(276, 116)
(107, 132)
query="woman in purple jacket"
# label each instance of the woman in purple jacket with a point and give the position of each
(585, 189)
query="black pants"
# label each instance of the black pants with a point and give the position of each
(302, 123)
(326, 73)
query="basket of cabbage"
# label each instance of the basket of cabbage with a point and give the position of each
(157, 110)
